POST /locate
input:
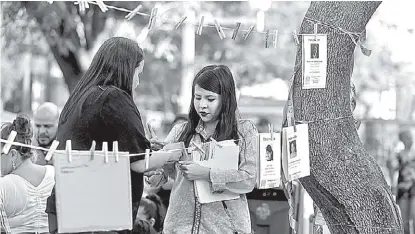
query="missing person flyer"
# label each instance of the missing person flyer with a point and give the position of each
(269, 174)
(314, 61)
(295, 155)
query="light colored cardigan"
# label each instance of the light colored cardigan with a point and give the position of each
(186, 215)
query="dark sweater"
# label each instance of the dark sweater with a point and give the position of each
(105, 114)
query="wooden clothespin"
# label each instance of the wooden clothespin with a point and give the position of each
(271, 130)
(147, 159)
(115, 150)
(200, 27)
(266, 38)
(10, 141)
(235, 31)
(52, 150)
(102, 5)
(215, 142)
(275, 41)
(82, 6)
(134, 12)
(249, 32)
(180, 22)
(295, 35)
(105, 150)
(152, 20)
(219, 29)
(315, 31)
(69, 150)
(92, 150)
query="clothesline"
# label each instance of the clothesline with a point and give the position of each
(132, 13)
(188, 148)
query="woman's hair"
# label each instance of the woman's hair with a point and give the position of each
(22, 125)
(269, 149)
(114, 64)
(154, 208)
(217, 79)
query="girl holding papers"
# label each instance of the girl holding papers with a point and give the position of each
(212, 117)
(101, 109)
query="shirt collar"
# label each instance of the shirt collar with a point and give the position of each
(200, 129)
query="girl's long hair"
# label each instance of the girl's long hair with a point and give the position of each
(114, 64)
(217, 79)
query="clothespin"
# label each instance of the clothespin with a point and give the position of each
(102, 5)
(275, 41)
(9, 143)
(220, 30)
(180, 22)
(147, 159)
(215, 142)
(92, 150)
(235, 31)
(143, 35)
(315, 31)
(69, 150)
(271, 130)
(200, 27)
(82, 6)
(105, 149)
(52, 149)
(296, 37)
(134, 12)
(115, 150)
(266, 38)
(249, 31)
(50, 2)
(152, 20)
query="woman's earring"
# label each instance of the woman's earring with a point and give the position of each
(14, 165)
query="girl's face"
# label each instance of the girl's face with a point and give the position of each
(268, 155)
(137, 72)
(207, 104)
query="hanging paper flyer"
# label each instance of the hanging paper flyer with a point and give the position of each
(269, 165)
(314, 61)
(295, 152)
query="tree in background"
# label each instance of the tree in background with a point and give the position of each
(350, 190)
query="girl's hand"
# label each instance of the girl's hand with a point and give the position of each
(193, 171)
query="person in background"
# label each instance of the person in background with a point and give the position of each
(152, 210)
(143, 227)
(212, 115)
(25, 186)
(46, 118)
(262, 125)
(406, 179)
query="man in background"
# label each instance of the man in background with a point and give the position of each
(46, 120)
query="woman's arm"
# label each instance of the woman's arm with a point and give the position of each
(168, 170)
(243, 180)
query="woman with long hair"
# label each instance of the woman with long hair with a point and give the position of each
(101, 109)
(25, 186)
(212, 115)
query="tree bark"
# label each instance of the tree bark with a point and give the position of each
(346, 182)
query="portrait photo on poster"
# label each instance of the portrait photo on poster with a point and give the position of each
(314, 50)
(293, 148)
(269, 153)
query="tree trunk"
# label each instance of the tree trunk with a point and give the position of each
(346, 183)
